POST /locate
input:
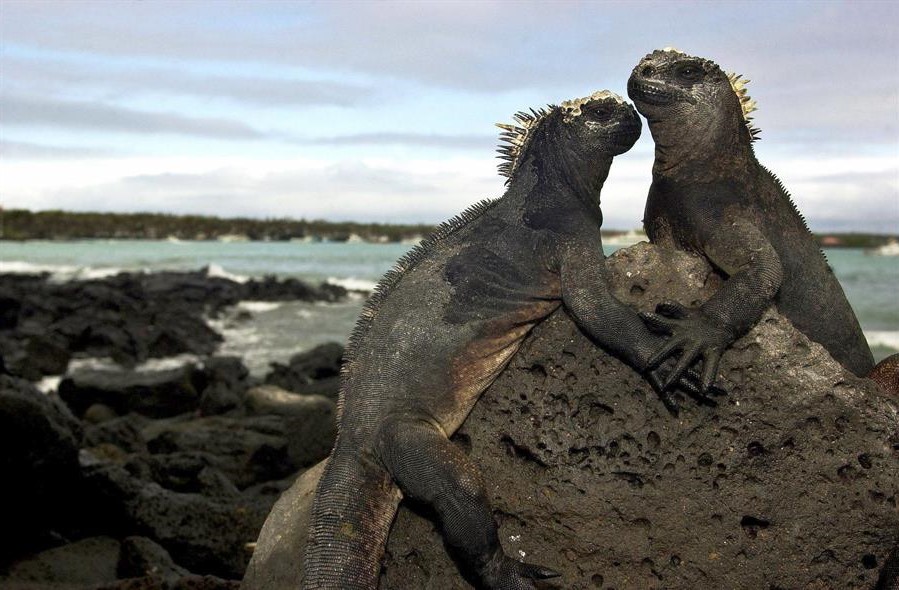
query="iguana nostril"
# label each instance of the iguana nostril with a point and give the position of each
(646, 71)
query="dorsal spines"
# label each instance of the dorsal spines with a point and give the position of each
(786, 195)
(406, 263)
(515, 138)
(747, 104)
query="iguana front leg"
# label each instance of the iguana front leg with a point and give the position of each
(755, 275)
(613, 325)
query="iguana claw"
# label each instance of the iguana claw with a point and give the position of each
(689, 383)
(509, 574)
(537, 572)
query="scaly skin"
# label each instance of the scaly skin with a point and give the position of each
(443, 325)
(710, 195)
(889, 573)
(886, 374)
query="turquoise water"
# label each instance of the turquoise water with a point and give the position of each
(871, 282)
(314, 261)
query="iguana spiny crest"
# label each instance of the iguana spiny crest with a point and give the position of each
(517, 137)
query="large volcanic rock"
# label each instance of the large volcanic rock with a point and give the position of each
(39, 467)
(791, 482)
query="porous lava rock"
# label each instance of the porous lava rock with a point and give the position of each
(791, 481)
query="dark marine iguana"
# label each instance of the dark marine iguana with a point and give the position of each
(445, 322)
(711, 196)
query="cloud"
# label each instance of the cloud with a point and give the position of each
(478, 46)
(383, 190)
(838, 61)
(18, 150)
(481, 142)
(119, 77)
(18, 110)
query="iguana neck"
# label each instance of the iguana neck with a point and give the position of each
(699, 153)
(580, 177)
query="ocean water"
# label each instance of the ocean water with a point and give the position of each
(263, 332)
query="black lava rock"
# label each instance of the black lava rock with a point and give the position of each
(39, 465)
(304, 370)
(151, 393)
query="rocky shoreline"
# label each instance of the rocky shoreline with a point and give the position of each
(133, 479)
(147, 479)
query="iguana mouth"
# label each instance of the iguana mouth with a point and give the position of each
(652, 93)
(625, 134)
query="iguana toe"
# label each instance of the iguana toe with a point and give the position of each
(672, 309)
(509, 574)
(537, 572)
(666, 396)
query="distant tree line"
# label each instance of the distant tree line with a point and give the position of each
(21, 224)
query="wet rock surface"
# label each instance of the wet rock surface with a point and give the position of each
(128, 317)
(792, 481)
(130, 479)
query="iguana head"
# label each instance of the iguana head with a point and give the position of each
(580, 135)
(691, 103)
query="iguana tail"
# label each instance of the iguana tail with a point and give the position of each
(886, 374)
(889, 575)
(354, 507)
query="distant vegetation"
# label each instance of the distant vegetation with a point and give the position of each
(21, 224)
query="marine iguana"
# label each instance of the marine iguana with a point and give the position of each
(444, 323)
(711, 196)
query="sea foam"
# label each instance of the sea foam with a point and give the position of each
(353, 284)
(884, 338)
(259, 306)
(215, 270)
(58, 272)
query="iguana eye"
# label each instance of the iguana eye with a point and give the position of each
(689, 72)
(601, 112)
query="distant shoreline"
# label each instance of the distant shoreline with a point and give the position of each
(23, 225)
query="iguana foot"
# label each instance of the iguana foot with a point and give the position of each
(505, 573)
(693, 335)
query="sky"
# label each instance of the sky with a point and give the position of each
(385, 111)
